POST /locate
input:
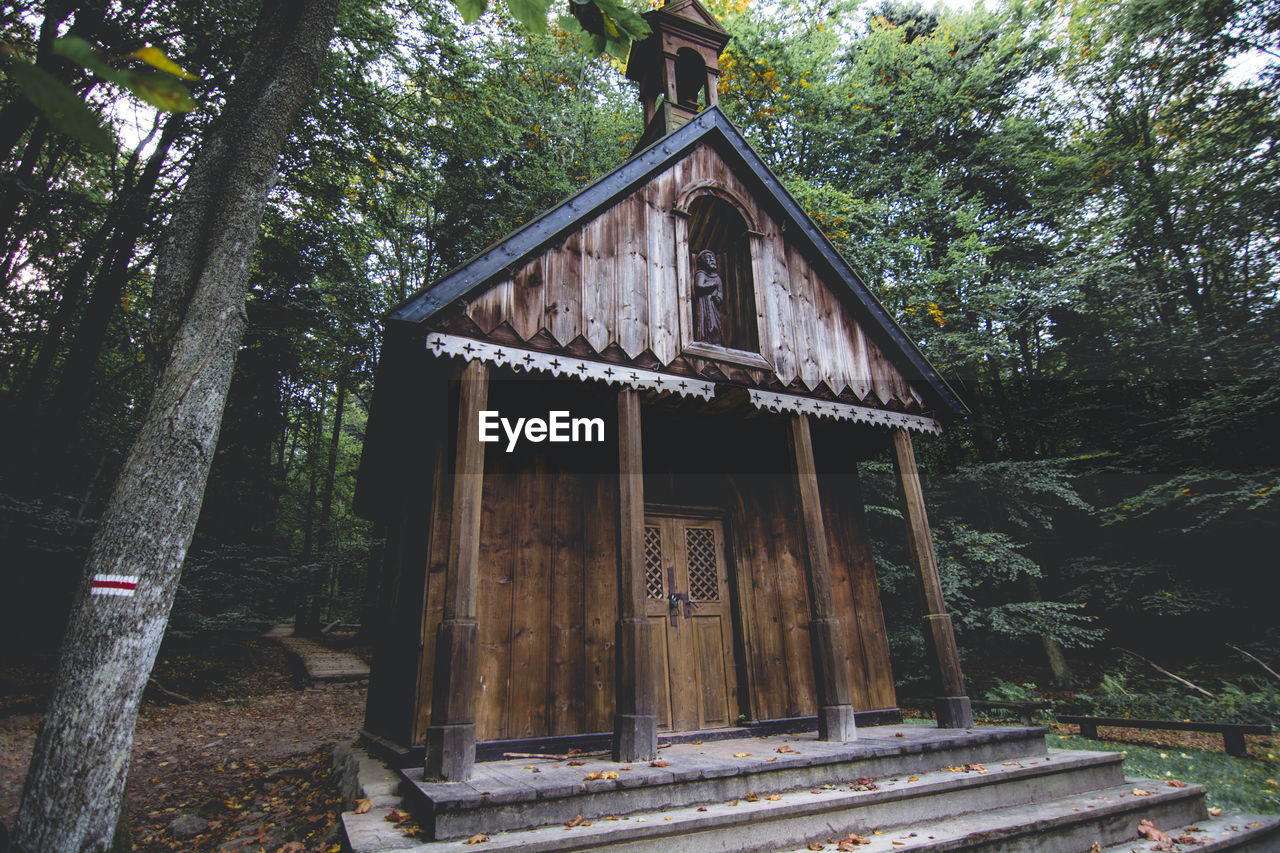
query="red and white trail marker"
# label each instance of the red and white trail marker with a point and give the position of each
(113, 585)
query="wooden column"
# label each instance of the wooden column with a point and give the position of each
(451, 737)
(635, 726)
(954, 711)
(826, 629)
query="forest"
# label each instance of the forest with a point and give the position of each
(1073, 208)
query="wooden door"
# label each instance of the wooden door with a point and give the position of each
(689, 608)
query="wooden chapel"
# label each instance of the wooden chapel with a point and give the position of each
(701, 562)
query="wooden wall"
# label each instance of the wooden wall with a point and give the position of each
(548, 592)
(616, 282)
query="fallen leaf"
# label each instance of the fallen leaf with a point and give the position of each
(751, 798)
(702, 808)
(742, 755)
(592, 776)
(1148, 830)
(774, 797)
(816, 845)
(395, 816)
(1215, 812)
(659, 763)
(478, 838)
(363, 806)
(576, 763)
(898, 734)
(577, 821)
(1138, 792)
(1174, 783)
(785, 748)
(292, 847)
(914, 779)
(977, 768)
(771, 760)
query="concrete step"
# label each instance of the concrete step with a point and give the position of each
(1238, 833)
(1072, 824)
(752, 821)
(523, 794)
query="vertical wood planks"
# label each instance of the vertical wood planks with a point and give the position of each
(805, 319)
(860, 370)
(873, 636)
(793, 601)
(530, 612)
(664, 296)
(528, 291)
(497, 560)
(433, 595)
(881, 373)
(599, 280)
(565, 687)
(564, 290)
(632, 282)
(491, 307)
(600, 591)
(841, 529)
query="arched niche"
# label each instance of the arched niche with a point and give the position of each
(720, 315)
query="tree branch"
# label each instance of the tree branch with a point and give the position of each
(1164, 671)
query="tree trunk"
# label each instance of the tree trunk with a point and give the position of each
(325, 535)
(1061, 673)
(71, 799)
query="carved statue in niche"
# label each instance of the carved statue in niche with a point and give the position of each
(708, 299)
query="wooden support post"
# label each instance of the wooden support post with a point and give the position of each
(635, 726)
(826, 629)
(953, 708)
(451, 737)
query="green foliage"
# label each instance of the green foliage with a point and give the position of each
(63, 109)
(161, 90)
(232, 588)
(1257, 704)
(1006, 691)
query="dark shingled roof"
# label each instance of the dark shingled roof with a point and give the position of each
(710, 127)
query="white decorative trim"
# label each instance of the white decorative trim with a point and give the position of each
(775, 402)
(558, 364)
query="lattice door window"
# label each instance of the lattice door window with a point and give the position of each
(653, 562)
(704, 573)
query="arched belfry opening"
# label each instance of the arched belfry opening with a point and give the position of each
(724, 303)
(691, 77)
(677, 66)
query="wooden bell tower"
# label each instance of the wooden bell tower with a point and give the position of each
(677, 66)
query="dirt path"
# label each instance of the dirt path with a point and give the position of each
(253, 768)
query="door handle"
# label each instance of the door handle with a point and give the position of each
(673, 600)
